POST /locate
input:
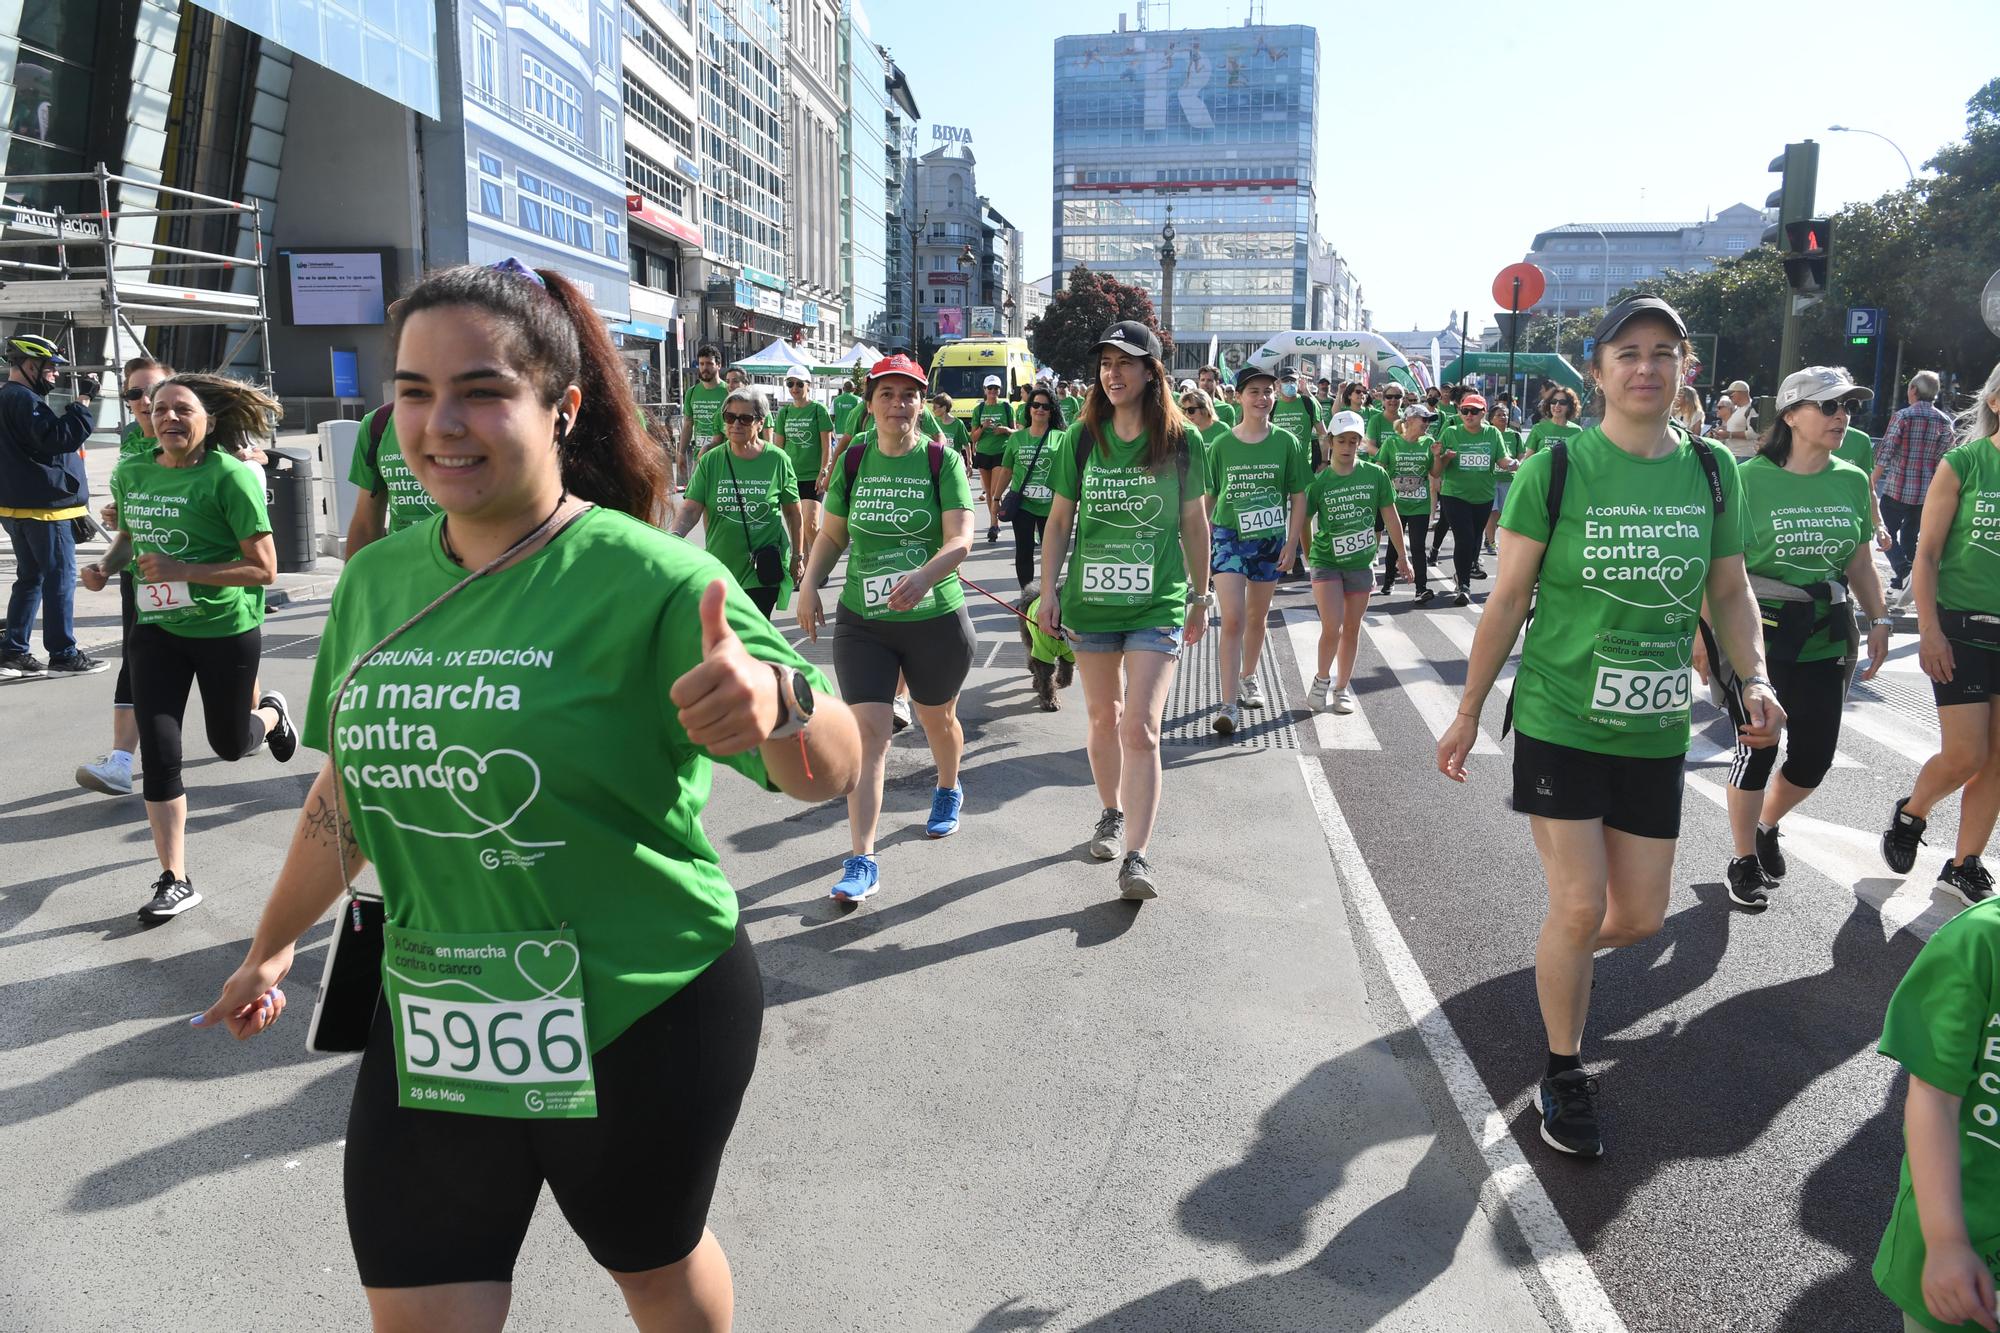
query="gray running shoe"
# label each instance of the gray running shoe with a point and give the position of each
(1108, 842)
(107, 776)
(1226, 718)
(1135, 879)
(1251, 694)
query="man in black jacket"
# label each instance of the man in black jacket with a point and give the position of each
(43, 489)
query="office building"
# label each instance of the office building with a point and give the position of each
(662, 193)
(812, 180)
(1589, 262)
(901, 221)
(968, 257)
(1220, 123)
(864, 196)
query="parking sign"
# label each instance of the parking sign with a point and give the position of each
(1864, 321)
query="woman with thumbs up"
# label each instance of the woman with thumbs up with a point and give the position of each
(522, 700)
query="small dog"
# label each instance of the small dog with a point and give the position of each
(1057, 669)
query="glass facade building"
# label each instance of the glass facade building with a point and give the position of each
(864, 191)
(1222, 124)
(742, 133)
(387, 45)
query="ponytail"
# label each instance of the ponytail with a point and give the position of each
(555, 339)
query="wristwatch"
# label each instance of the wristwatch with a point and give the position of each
(795, 702)
(1884, 621)
(1765, 681)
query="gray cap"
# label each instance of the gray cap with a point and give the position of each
(1820, 384)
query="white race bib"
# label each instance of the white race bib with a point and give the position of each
(1268, 519)
(1118, 578)
(1036, 492)
(1413, 488)
(875, 591)
(1354, 542)
(160, 599)
(1640, 692)
(1475, 462)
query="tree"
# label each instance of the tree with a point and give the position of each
(1065, 335)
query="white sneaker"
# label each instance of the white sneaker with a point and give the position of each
(1321, 693)
(899, 713)
(1250, 694)
(1343, 700)
(107, 775)
(1225, 720)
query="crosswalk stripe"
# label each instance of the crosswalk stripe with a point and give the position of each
(1877, 726)
(1433, 699)
(1851, 858)
(1333, 732)
(1461, 631)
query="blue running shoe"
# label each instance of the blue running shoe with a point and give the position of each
(859, 877)
(945, 805)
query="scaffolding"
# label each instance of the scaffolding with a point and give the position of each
(135, 283)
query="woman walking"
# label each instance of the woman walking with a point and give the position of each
(1023, 477)
(1347, 502)
(1470, 454)
(747, 494)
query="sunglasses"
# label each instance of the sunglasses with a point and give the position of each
(1040, 406)
(740, 419)
(1835, 406)
(134, 395)
(1470, 411)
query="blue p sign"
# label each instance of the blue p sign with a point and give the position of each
(1864, 321)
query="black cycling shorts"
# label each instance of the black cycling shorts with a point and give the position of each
(436, 1197)
(1975, 676)
(809, 489)
(933, 656)
(1637, 796)
(981, 462)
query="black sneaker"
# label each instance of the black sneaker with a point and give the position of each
(1461, 597)
(23, 664)
(1967, 880)
(1900, 839)
(1569, 1114)
(1896, 583)
(76, 662)
(1425, 596)
(1769, 855)
(1748, 886)
(283, 739)
(993, 534)
(1479, 571)
(171, 897)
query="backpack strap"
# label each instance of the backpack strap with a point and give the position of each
(935, 451)
(850, 463)
(1558, 476)
(1710, 469)
(378, 425)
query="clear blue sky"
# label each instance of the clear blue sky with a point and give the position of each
(1576, 113)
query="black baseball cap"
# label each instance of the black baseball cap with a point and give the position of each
(1249, 373)
(1132, 338)
(1618, 316)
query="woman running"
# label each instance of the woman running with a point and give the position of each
(991, 422)
(191, 518)
(1470, 453)
(1346, 502)
(1029, 459)
(901, 506)
(527, 775)
(1410, 458)
(748, 496)
(112, 774)
(1957, 596)
(1130, 484)
(804, 429)
(1806, 530)
(1257, 477)
(1601, 701)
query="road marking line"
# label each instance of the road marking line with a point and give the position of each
(1851, 857)
(994, 651)
(1905, 740)
(1351, 732)
(1433, 699)
(1510, 1181)
(1460, 631)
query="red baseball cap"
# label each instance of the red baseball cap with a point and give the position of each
(1472, 400)
(898, 365)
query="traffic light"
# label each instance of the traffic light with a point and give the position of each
(1798, 165)
(1807, 243)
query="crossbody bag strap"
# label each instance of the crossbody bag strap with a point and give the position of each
(736, 490)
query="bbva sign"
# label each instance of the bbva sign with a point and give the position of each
(950, 134)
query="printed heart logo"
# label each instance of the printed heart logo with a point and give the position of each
(171, 541)
(1143, 552)
(1674, 570)
(547, 966)
(1150, 511)
(489, 773)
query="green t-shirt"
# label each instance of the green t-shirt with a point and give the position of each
(1216, 430)
(1510, 442)
(895, 523)
(1804, 529)
(1045, 647)
(1542, 432)
(1253, 484)
(955, 436)
(1409, 467)
(1072, 408)
(201, 515)
(1299, 416)
(1343, 512)
(928, 428)
(1472, 476)
(1381, 427)
(1606, 664)
(135, 443)
(1941, 1025)
(1029, 463)
(1127, 570)
(765, 485)
(1857, 446)
(473, 751)
(1020, 414)
(379, 468)
(1226, 412)
(847, 412)
(1969, 569)
(800, 430)
(704, 408)
(998, 420)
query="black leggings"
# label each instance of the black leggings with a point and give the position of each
(164, 666)
(1027, 531)
(1415, 526)
(128, 620)
(435, 1197)
(1468, 528)
(1811, 693)
(765, 600)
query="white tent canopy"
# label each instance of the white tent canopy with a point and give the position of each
(861, 354)
(777, 359)
(1336, 344)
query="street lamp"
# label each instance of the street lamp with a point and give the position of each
(914, 232)
(1605, 273)
(1167, 261)
(966, 260)
(1007, 311)
(1849, 129)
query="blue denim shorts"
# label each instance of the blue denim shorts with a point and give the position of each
(1161, 639)
(1255, 558)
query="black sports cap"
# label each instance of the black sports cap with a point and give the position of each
(1618, 316)
(1249, 373)
(1132, 338)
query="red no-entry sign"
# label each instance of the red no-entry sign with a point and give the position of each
(1533, 284)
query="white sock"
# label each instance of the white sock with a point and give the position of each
(121, 758)
(1762, 827)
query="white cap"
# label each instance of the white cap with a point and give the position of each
(993, 382)
(1737, 386)
(1345, 422)
(1820, 384)
(1186, 385)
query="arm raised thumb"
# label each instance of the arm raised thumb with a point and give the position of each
(715, 630)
